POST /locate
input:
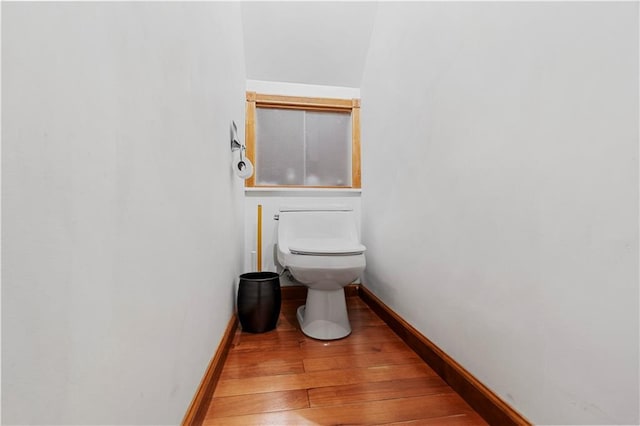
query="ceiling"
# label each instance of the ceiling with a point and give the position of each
(322, 43)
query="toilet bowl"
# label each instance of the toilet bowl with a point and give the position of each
(322, 250)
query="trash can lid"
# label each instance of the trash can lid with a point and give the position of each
(259, 276)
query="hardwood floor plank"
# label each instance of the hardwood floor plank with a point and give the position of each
(470, 419)
(270, 337)
(245, 357)
(363, 318)
(239, 369)
(287, 324)
(288, 313)
(267, 341)
(357, 303)
(364, 313)
(358, 335)
(257, 403)
(329, 350)
(377, 391)
(262, 384)
(361, 360)
(372, 412)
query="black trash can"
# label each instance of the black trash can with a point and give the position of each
(259, 301)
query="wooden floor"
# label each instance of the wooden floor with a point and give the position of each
(285, 378)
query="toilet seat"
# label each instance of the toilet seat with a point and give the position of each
(325, 247)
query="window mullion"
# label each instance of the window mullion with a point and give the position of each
(304, 147)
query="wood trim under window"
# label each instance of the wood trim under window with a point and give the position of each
(250, 132)
(255, 100)
(355, 145)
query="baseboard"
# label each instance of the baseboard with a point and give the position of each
(202, 399)
(493, 409)
(292, 292)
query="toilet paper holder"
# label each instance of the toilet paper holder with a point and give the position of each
(243, 168)
(235, 143)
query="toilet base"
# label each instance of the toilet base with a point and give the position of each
(324, 317)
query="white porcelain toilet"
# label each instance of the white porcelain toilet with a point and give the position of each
(322, 250)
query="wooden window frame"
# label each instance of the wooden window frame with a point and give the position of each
(257, 100)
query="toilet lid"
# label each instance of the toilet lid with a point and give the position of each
(326, 247)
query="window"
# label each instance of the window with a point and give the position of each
(303, 142)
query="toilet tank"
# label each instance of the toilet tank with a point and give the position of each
(316, 223)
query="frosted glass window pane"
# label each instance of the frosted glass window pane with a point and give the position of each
(279, 147)
(328, 148)
(299, 147)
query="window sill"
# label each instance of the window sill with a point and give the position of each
(303, 190)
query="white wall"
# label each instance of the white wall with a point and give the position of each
(267, 87)
(307, 42)
(122, 220)
(506, 228)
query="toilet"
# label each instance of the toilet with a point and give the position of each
(321, 249)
